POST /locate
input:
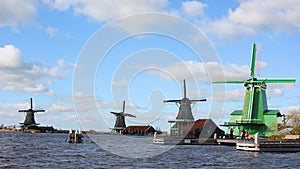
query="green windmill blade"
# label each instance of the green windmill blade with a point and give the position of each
(230, 82)
(253, 61)
(251, 100)
(268, 80)
(252, 76)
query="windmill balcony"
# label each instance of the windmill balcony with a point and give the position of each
(230, 123)
(249, 121)
(244, 121)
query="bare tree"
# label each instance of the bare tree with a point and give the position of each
(293, 120)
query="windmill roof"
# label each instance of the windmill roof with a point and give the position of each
(267, 112)
(237, 112)
(271, 112)
(197, 124)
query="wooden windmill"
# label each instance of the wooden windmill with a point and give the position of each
(185, 116)
(120, 120)
(29, 122)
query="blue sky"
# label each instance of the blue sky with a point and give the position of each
(51, 51)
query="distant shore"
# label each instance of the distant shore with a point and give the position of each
(9, 130)
(15, 130)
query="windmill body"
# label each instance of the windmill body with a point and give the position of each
(120, 120)
(185, 116)
(29, 122)
(255, 116)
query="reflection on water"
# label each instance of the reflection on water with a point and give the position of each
(41, 150)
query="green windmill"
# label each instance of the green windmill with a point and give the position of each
(29, 122)
(255, 116)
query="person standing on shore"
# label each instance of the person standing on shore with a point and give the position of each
(231, 133)
(243, 134)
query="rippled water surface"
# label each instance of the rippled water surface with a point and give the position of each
(42, 150)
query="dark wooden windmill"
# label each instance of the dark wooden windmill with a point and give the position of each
(29, 122)
(185, 116)
(120, 120)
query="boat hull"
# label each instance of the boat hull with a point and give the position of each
(272, 146)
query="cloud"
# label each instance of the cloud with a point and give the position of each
(15, 12)
(121, 83)
(107, 10)
(16, 75)
(60, 107)
(254, 17)
(51, 31)
(10, 57)
(290, 109)
(231, 95)
(85, 102)
(193, 8)
(204, 72)
(251, 17)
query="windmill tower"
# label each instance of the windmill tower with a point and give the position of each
(29, 122)
(184, 116)
(255, 116)
(120, 120)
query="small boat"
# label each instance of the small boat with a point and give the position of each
(158, 140)
(74, 137)
(183, 141)
(268, 146)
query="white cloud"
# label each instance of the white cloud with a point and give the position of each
(121, 83)
(60, 107)
(231, 95)
(253, 17)
(10, 57)
(193, 8)
(267, 15)
(85, 102)
(16, 75)
(108, 10)
(51, 31)
(290, 109)
(15, 12)
(205, 72)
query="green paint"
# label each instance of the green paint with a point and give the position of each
(253, 61)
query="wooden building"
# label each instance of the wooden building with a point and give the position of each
(202, 128)
(139, 130)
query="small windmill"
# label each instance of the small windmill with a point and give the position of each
(185, 115)
(29, 121)
(255, 116)
(120, 120)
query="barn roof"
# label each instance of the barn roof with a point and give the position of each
(142, 128)
(199, 124)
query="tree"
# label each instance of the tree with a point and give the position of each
(293, 119)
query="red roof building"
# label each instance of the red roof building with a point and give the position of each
(202, 128)
(139, 130)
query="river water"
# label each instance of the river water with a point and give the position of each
(42, 150)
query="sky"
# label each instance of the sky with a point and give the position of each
(79, 59)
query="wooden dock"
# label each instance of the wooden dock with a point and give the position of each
(229, 142)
